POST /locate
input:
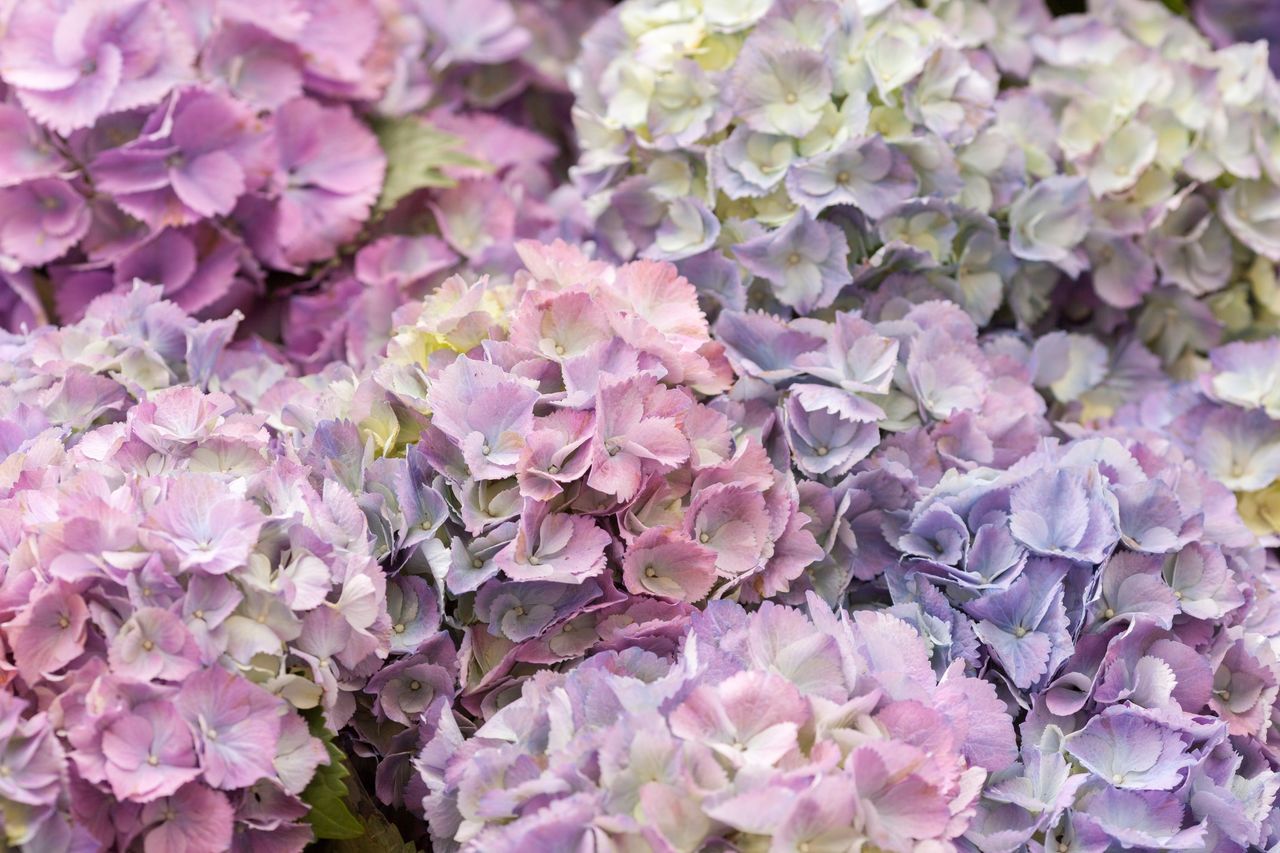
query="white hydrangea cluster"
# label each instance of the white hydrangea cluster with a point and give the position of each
(980, 151)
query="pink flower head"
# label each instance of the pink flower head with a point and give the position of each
(193, 819)
(176, 418)
(332, 169)
(560, 325)
(752, 719)
(192, 161)
(28, 152)
(486, 411)
(149, 753)
(205, 528)
(71, 61)
(656, 292)
(732, 521)
(41, 220)
(555, 453)
(668, 564)
(237, 725)
(258, 66)
(637, 430)
(554, 546)
(32, 757)
(198, 266)
(153, 644)
(48, 633)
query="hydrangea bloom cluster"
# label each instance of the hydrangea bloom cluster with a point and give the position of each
(177, 588)
(983, 153)
(870, 444)
(564, 464)
(870, 416)
(222, 147)
(1112, 593)
(1227, 418)
(768, 730)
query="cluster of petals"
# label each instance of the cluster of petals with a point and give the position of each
(1108, 588)
(225, 149)
(1026, 167)
(178, 591)
(767, 730)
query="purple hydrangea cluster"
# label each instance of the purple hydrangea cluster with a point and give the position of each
(178, 590)
(1227, 418)
(333, 155)
(870, 416)
(1112, 593)
(1069, 168)
(768, 730)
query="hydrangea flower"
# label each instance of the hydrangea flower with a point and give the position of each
(983, 155)
(170, 564)
(1118, 614)
(182, 145)
(772, 726)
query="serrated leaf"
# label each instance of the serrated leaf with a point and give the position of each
(417, 157)
(327, 794)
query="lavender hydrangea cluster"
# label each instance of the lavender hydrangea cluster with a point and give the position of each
(983, 153)
(1227, 419)
(1113, 594)
(769, 730)
(335, 154)
(178, 590)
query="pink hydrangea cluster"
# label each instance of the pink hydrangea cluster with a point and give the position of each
(178, 591)
(769, 730)
(228, 150)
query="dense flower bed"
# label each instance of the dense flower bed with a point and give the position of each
(665, 425)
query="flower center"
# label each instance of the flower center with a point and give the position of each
(477, 563)
(398, 628)
(792, 97)
(415, 685)
(793, 259)
(147, 645)
(651, 572)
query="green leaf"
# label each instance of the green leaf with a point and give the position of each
(327, 794)
(380, 834)
(417, 156)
